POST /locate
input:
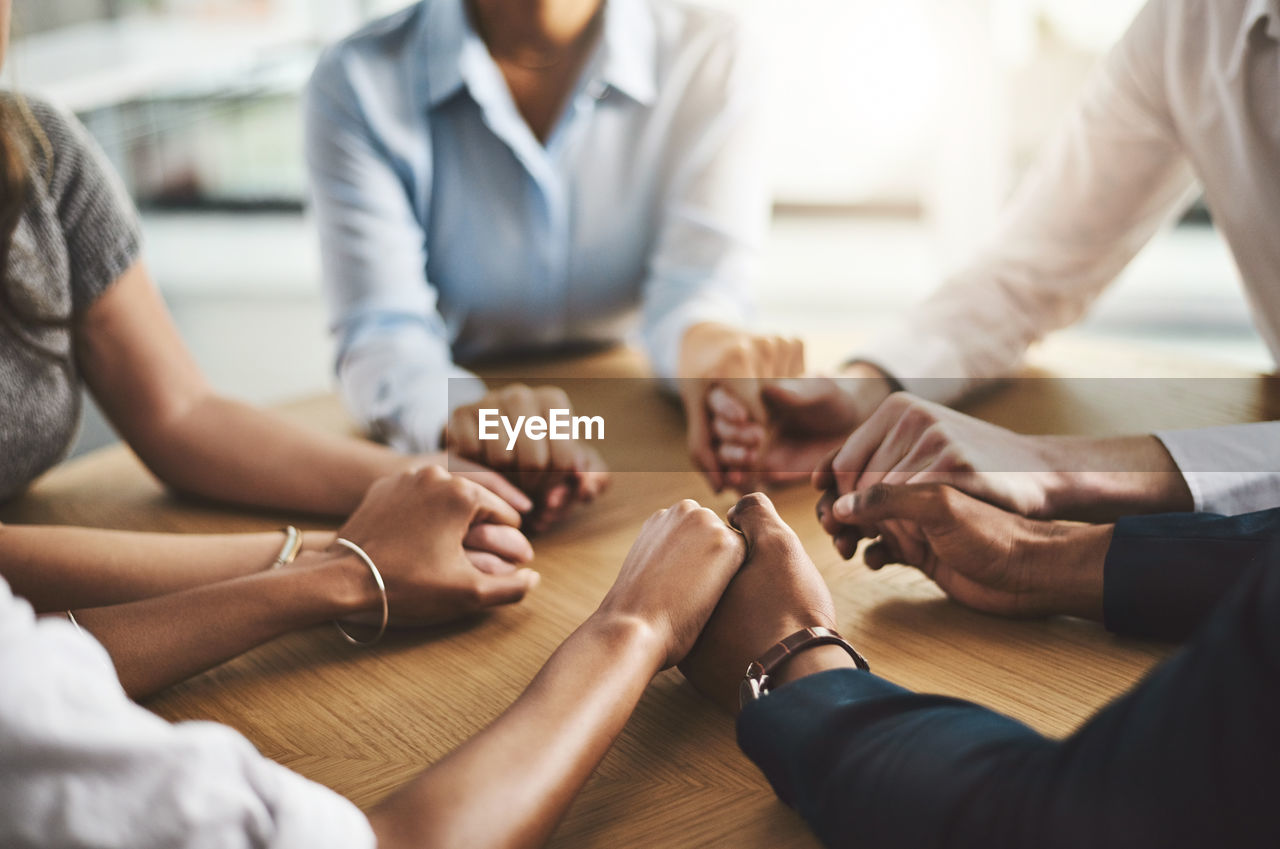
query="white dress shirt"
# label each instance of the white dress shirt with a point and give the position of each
(449, 232)
(1191, 91)
(83, 766)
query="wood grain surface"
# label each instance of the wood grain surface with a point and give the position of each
(364, 721)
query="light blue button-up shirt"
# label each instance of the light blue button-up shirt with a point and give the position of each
(449, 232)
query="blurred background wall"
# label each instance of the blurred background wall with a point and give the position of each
(896, 131)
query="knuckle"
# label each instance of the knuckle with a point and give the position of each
(938, 496)
(948, 500)
(878, 494)
(935, 437)
(898, 401)
(433, 473)
(553, 396)
(708, 518)
(687, 505)
(955, 460)
(738, 355)
(459, 491)
(917, 418)
(516, 392)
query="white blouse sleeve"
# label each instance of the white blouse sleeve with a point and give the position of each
(716, 201)
(83, 766)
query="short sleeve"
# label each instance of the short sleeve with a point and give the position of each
(98, 221)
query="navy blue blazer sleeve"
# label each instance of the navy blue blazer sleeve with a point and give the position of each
(1187, 758)
(1164, 574)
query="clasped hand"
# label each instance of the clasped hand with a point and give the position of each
(554, 474)
(713, 600)
(720, 362)
(707, 595)
(777, 431)
(446, 547)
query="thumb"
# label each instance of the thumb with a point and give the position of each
(782, 396)
(494, 590)
(916, 502)
(758, 520)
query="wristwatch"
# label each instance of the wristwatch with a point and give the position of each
(757, 683)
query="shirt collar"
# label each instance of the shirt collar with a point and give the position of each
(1259, 9)
(629, 50)
(446, 34)
(1256, 12)
(627, 56)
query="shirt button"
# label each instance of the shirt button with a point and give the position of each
(596, 89)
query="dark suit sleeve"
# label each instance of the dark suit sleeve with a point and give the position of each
(1190, 757)
(1164, 574)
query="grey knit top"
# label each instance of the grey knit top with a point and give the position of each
(79, 233)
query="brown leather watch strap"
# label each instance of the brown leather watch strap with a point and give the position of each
(757, 680)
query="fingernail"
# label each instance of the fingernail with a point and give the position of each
(534, 578)
(847, 505)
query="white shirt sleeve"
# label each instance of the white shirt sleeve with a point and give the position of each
(83, 766)
(1230, 470)
(1106, 182)
(716, 209)
(395, 366)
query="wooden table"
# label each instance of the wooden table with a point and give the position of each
(363, 722)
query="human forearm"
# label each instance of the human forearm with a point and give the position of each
(1102, 479)
(159, 641)
(57, 568)
(228, 451)
(1064, 568)
(509, 785)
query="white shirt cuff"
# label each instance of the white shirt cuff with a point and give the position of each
(417, 428)
(924, 364)
(1229, 470)
(663, 338)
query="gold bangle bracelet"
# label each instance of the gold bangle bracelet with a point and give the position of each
(288, 551)
(382, 590)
